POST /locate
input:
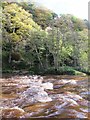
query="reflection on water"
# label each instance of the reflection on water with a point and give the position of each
(47, 96)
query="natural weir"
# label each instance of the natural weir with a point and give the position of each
(47, 96)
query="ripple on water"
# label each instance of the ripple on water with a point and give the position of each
(76, 114)
(12, 112)
(32, 99)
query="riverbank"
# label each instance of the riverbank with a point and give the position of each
(50, 71)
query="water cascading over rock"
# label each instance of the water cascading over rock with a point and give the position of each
(35, 93)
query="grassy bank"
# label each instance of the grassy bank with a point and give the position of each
(65, 70)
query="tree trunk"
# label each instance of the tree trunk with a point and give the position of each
(55, 62)
(39, 57)
(46, 61)
(9, 60)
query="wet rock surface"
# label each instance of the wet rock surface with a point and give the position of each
(47, 96)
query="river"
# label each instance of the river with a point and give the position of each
(60, 96)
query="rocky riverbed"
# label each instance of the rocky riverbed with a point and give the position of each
(44, 97)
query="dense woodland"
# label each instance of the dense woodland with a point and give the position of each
(37, 40)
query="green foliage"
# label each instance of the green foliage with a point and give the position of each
(37, 40)
(42, 16)
(65, 70)
(18, 26)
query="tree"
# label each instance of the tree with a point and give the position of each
(16, 26)
(65, 40)
(41, 39)
(41, 15)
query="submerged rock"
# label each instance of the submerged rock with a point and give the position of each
(35, 92)
(12, 112)
(47, 85)
(85, 93)
(74, 96)
(72, 82)
(42, 97)
(70, 98)
(63, 105)
(76, 114)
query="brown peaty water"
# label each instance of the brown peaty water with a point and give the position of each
(69, 97)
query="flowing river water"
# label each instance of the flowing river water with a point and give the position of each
(43, 97)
